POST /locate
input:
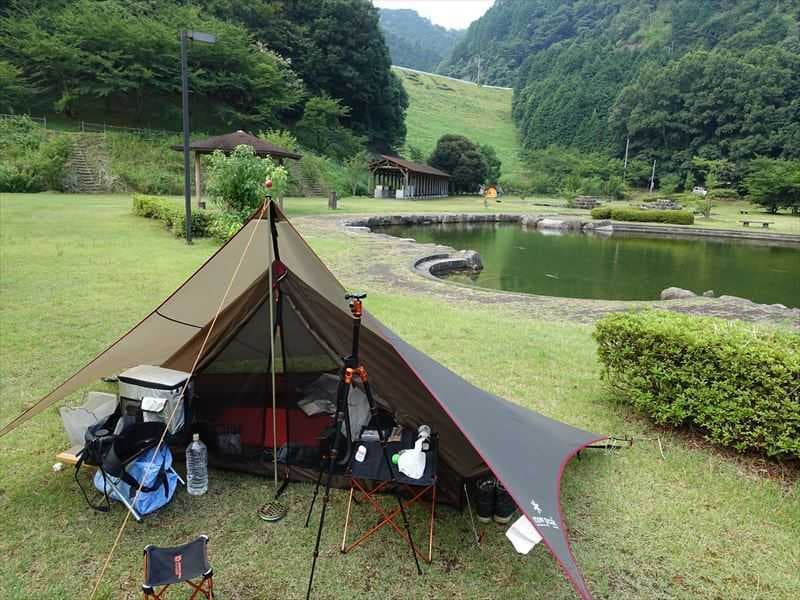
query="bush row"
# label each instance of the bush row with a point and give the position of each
(173, 215)
(679, 217)
(738, 383)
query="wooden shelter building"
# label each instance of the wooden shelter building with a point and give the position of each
(227, 143)
(395, 177)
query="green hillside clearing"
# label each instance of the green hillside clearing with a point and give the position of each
(438, 105)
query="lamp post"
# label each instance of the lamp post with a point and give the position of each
(187, 180)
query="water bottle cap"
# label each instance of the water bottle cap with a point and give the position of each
(195, 437)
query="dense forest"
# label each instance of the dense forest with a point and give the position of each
(715, 79)
(120, 59)
(416, 42)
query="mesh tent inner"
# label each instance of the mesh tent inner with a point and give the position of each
(233, 388)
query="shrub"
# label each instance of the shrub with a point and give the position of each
(723, 194)
(679, 217)
(173, 215)
(669, 184)
(236, 180)
(31, 159)
(601, 212)
(736, 382)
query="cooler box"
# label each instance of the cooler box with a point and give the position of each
(156, 392)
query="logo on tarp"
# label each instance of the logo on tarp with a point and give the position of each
(542, 521)
(177, 563)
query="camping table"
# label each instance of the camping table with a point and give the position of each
(369, 478)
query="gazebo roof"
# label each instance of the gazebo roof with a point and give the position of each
(229, 141)
(408, 165)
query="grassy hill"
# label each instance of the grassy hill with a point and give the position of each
(438, 105)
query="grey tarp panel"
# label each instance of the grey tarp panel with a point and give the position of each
(524, 449)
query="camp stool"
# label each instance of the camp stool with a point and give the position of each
(164, 567)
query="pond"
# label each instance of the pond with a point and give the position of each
(619, 266)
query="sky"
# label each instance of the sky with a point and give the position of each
(453, 14)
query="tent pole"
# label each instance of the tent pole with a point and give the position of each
(272, 358)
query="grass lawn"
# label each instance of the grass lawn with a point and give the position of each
(438, 106)
(76, 272)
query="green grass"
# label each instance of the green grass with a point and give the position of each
(438, 106)
(76, 272)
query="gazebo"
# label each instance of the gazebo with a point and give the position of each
(227, 143)
(395, 177)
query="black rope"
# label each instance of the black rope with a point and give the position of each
(178, 321)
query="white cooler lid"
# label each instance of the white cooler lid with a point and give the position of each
(150, 376)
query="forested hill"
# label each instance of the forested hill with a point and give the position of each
(414, 41)
(680, 78)
(118, 61)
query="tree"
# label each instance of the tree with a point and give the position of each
(463, 160)
(415, 154)
(337, 48)
(124, 55)
(356, 171)
(774, 184)
(493, 164)
(15, 91)
(321, 128)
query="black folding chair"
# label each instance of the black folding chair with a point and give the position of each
(164, 567)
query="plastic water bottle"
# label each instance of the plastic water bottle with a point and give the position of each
(196, 467)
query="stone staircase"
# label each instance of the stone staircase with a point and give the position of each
(308, 185)
(81, 172)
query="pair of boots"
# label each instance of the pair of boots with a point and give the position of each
(494, 502)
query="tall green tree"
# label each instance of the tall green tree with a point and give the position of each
(322, 129)
(337, 48)
(463, 160)
(15, 90)
(493, 164)
(775, 184)
(356, 172)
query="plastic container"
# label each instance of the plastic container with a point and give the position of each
(196, 467)
(361, 453)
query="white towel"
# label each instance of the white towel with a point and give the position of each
(523, 535)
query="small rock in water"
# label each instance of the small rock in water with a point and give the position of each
(473, 260)
(708, 293)
(676, 293)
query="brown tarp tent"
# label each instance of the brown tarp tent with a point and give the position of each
(478, 432)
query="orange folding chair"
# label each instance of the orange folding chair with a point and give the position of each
(164, 567)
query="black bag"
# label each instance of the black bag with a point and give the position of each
(98, 441)
(110, 453)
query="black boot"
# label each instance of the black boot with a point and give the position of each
(504, 507)
(486, 499)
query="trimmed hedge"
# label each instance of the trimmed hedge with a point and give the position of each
(173, 215)
(738, 383)
(678, 217)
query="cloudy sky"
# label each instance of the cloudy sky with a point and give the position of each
(453, 14)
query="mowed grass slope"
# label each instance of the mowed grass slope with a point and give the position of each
(438, 106)
(76, 272)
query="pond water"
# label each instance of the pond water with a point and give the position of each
(617, 267)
